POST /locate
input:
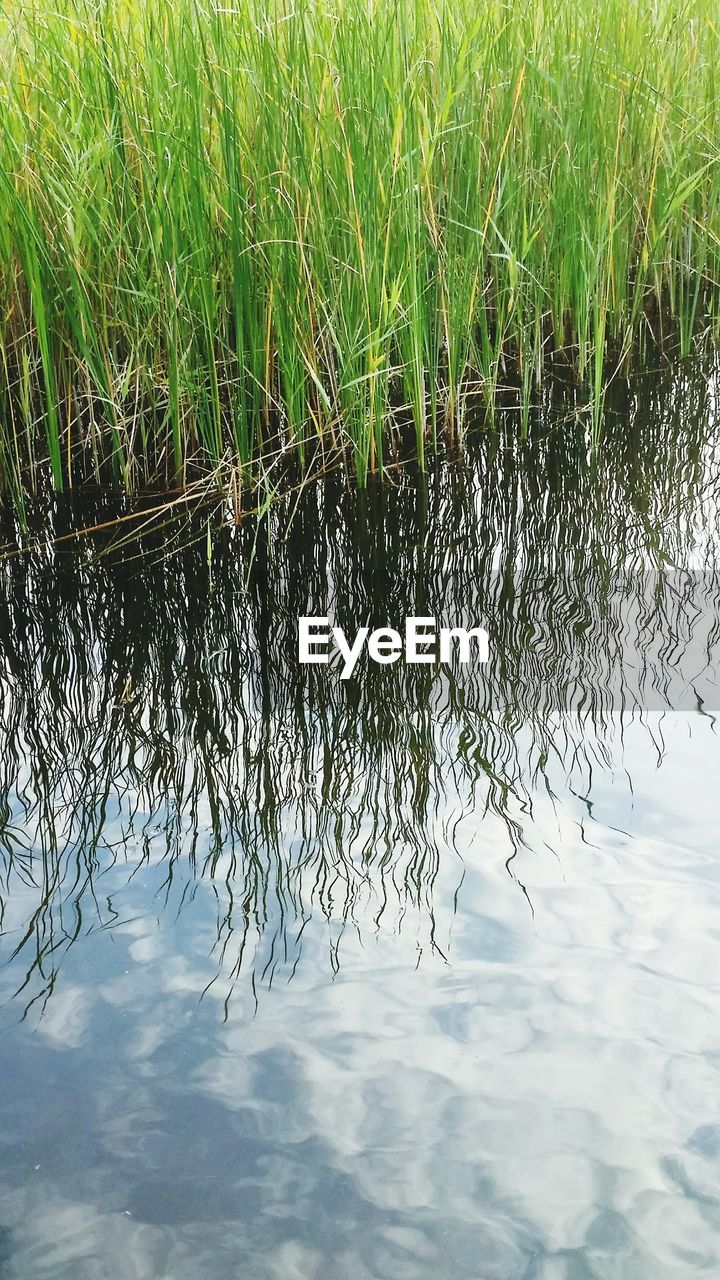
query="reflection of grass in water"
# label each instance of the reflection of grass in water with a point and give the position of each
(150, 710)
(227, 230)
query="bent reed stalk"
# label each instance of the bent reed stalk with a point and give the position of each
(230, 232)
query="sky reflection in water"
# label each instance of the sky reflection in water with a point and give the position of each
(412, 978)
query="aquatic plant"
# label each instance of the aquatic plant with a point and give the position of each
(234, 234)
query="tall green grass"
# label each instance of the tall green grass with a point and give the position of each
(231, 233)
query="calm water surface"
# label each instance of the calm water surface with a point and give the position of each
(406, 978)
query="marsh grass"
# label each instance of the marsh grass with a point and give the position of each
(233, 234)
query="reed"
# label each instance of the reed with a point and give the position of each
(232, 234)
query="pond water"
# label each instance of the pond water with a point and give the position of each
(405, 977)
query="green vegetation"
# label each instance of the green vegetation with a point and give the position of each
(230, 234)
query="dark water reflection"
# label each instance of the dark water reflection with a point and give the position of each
(409, 976)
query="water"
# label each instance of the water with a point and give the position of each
(404, 978)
